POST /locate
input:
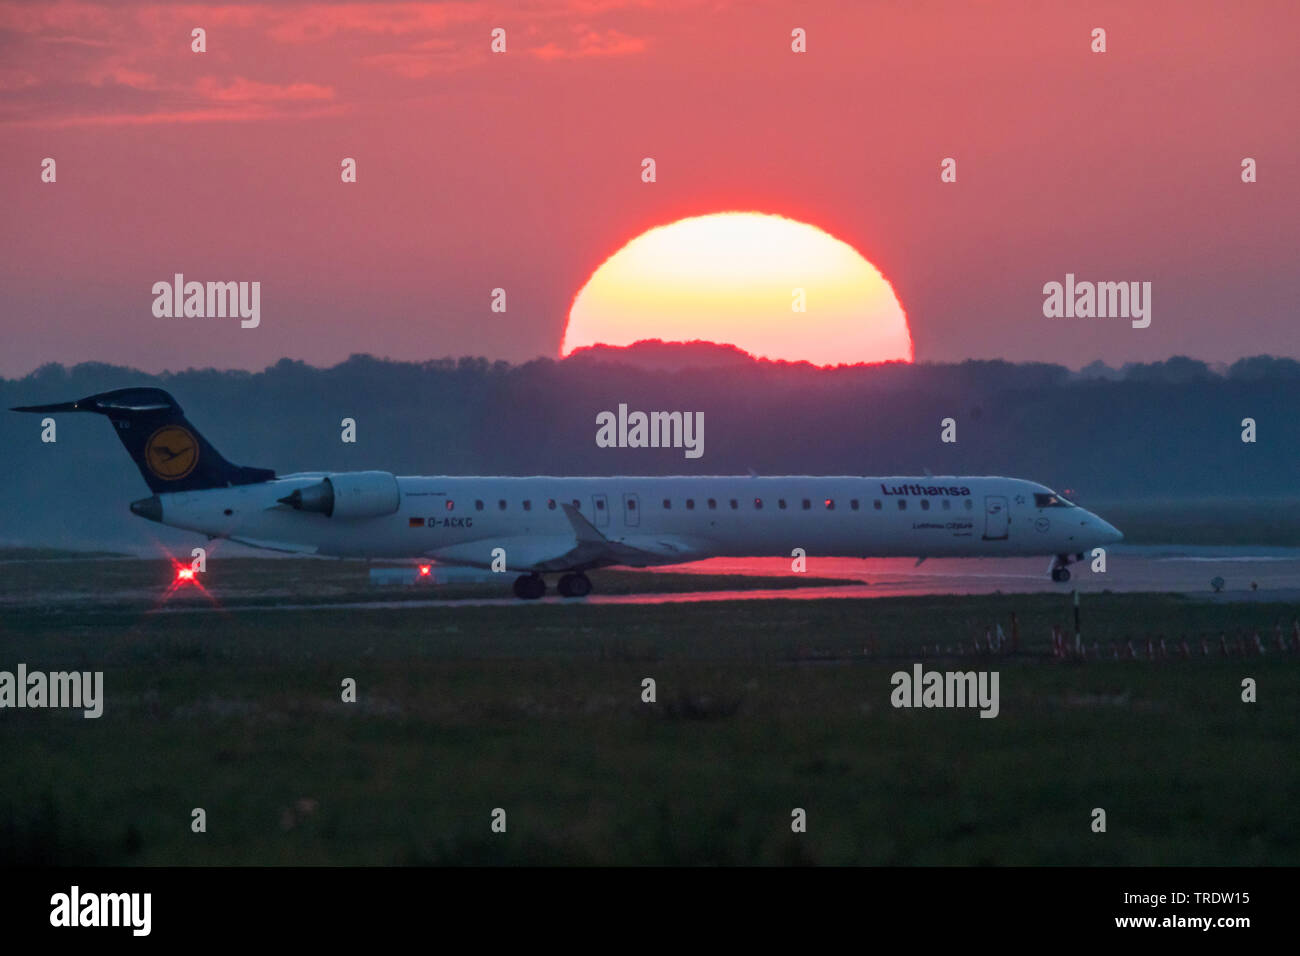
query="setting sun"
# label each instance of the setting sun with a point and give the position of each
(777, 288)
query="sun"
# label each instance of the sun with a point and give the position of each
(777, 288)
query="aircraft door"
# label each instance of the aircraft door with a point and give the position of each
(631, 511)
(997, 518)
(600, 505)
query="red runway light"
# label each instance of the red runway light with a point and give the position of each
(184, 578)
(424, 570)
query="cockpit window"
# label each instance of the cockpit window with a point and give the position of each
(1051, 501)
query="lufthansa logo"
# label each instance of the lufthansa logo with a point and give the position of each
(171, 452)
(1042, 524)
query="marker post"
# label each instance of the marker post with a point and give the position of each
(1078, 635)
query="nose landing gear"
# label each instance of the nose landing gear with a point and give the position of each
(1060, 567)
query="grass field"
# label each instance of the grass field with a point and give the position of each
(762, 707)
(1204, 521)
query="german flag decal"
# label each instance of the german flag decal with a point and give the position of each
(415, 523)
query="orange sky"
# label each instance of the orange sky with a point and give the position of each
(522, 171)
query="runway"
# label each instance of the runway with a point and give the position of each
(1248, 573)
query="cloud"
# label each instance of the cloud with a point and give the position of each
(75, 41)
(426, 58)
(243, 90)
(116, 75)
(76, 64)
(17, 80)
(312, 23)
(239, 114)
(592, 43)
(73, 63)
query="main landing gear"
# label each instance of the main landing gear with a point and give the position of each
(1061, 567)
(530, 587)
(575, 585)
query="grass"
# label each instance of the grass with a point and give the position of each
(762, 707)
(51, 554)
(1204, 521)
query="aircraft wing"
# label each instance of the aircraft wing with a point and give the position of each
(286, 546)
(584, 548)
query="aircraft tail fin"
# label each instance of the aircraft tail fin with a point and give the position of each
(170, 452)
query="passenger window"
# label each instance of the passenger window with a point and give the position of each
(713, 504)
(528, 504)
(853, 503)
(925, 504)
(902, 504)
(450, 505)
(577, 504)
(631, 504)
(600, 504)
(758, 503)
(876, 504)
(667, 504)
(478, 506)
(550, 504)
(502, 504)
(690, 504)
(969, 504)
(830, 504)
(806, 504)
(734, 504)
(780, 503)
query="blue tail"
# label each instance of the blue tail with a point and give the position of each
(168, 450)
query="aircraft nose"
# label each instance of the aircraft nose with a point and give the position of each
(1111, 532)
(150, 508)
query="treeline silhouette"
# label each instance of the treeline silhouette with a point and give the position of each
(1158, 430)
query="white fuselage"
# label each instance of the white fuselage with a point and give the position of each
(644, 521)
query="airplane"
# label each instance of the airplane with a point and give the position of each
(542, 525)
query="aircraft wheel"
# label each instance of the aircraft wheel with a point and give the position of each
(575, 585)
(1060, 575)
(529, 587)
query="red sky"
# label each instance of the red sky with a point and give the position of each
(523, 170)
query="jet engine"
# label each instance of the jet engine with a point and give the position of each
(349, 494)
